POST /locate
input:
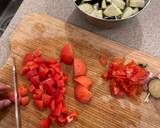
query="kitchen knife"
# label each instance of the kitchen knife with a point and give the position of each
(16, 94)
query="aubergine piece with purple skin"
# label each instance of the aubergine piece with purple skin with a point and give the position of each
(92, 2)
(78, 2)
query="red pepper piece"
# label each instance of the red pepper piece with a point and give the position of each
(61, 120)
(57, 111)
(58, 99)
(28, 57)
(49, 82)
(51, 61)
(45, 123)
(52, 105)
(38, 94)
(31, 88)
(50, 90)
(60, 83)
(31, 73)
(46, 100)
(35, 80)
(43, 70)
(72, 116)
(24, 70)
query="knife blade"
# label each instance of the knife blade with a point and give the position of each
(16, 94)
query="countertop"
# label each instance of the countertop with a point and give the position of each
(142, 32)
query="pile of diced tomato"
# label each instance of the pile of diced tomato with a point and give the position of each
(48, 88)
(125, 79)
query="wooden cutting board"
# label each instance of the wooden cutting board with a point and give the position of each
(50, 34)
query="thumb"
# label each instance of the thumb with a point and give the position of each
(4, 103)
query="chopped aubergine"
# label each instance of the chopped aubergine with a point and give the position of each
(97, 14)
(127, 2)
(119, 3)
(127, 13)
(95, 6)
(86, 0)
(137, 3)
(135, 10)
(154, 87)
(87, 8)
(109, 1)
(112, 10)
(104, 4)
(92, 2)
(78, 2)
(100, 3)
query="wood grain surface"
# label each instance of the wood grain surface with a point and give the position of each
(50, 34)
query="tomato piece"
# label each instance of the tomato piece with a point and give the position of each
(52, 105)
(84, 81)
(103, 60)
(23, 91)
(115, 90)
(82, 94)
(39, 60)
(118, 61)
(45, 123)
(35, 80)
(67, 54)
(39, 104)
(46, 100)
(72, 116)
(37, 52)
(24, 100)
(28, 57)
(56, 77)
(80, 68)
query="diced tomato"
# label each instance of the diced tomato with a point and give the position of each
(56, 77)
(118, 61)
(52, 105)
(67, 54)
(35, 80)
(80, 68)
(72, 116)
(46, 100)
(37, 52)
(82, 94)
(84, 80)
(28, 57)
(39, 104)
(103, 60)
(57, 67)
(45, 123)
(24, 100)
(23, 91)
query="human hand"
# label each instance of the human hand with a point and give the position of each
(4, 102)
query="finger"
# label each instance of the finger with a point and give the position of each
(4, 103)
(4, 87)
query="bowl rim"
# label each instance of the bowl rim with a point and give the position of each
(114, 20)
